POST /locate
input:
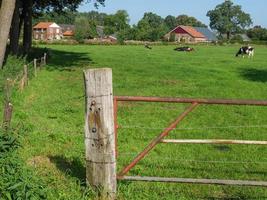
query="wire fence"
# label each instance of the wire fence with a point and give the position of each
(20, 81)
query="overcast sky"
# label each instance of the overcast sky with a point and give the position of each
(197, 8)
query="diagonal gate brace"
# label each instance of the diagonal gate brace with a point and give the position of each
(156, 141)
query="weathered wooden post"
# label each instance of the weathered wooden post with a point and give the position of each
(99, 131)
(24, 80)
(35, 66)
(8, 108)
(45, 57)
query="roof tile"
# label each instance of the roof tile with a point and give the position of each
(43, 25)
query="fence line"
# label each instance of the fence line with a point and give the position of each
(23, 82)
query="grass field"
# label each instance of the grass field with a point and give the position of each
(52, 111)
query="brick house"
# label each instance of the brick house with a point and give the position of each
(47, 31)
(185, 34)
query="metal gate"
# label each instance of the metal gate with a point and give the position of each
(160, 139)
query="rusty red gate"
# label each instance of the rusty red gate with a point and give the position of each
(160, 139)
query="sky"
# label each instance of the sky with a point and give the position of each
(196, 8)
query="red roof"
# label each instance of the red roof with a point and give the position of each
(68, 33)
(190, 30)
(43, 25)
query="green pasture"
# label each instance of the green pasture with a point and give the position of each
(51, 109)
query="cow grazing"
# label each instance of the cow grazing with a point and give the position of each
(246, 50)
(186, 49)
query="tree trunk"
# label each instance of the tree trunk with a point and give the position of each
(27, 35)
(15, 29)
(228, 35)
(6, 13)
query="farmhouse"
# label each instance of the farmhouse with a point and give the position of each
(189, 34)
(47, 31)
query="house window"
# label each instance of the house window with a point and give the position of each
(57, 30)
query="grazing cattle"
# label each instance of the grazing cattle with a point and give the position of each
(147, 46)
(187, 49)
(246, 50)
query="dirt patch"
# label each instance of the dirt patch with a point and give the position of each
(39, 161)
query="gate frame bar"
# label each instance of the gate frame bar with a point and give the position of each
(160, 138)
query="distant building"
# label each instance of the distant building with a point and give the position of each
(210, 36)
(189, 34)
(68, 30)
(105, 38)
(47, 31)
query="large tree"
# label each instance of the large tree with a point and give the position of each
(228, 18)
(151, 27)
(84, 29)
(117, 22)
(6, 13)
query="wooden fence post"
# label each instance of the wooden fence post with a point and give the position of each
(8, 108)
(35, 67)
(45, 57)
(24, 80)
(99, 131)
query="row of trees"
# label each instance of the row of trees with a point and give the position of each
(227, 19)
(258, 33)
(151, 27)
(17, 17)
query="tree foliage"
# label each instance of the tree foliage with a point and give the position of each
(228, 18)
(170, 22)
(188, 21)
(84, 29)
(257, 33)
(117, 22)
(151, 27)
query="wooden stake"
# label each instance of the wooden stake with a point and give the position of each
(45, 57)
(35, 67)
(24, 80)
(99, 131)
(8, 108)
(7, 115)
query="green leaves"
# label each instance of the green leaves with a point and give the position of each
(84, 29)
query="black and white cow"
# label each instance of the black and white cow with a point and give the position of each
(246, 50)
(186, 49)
